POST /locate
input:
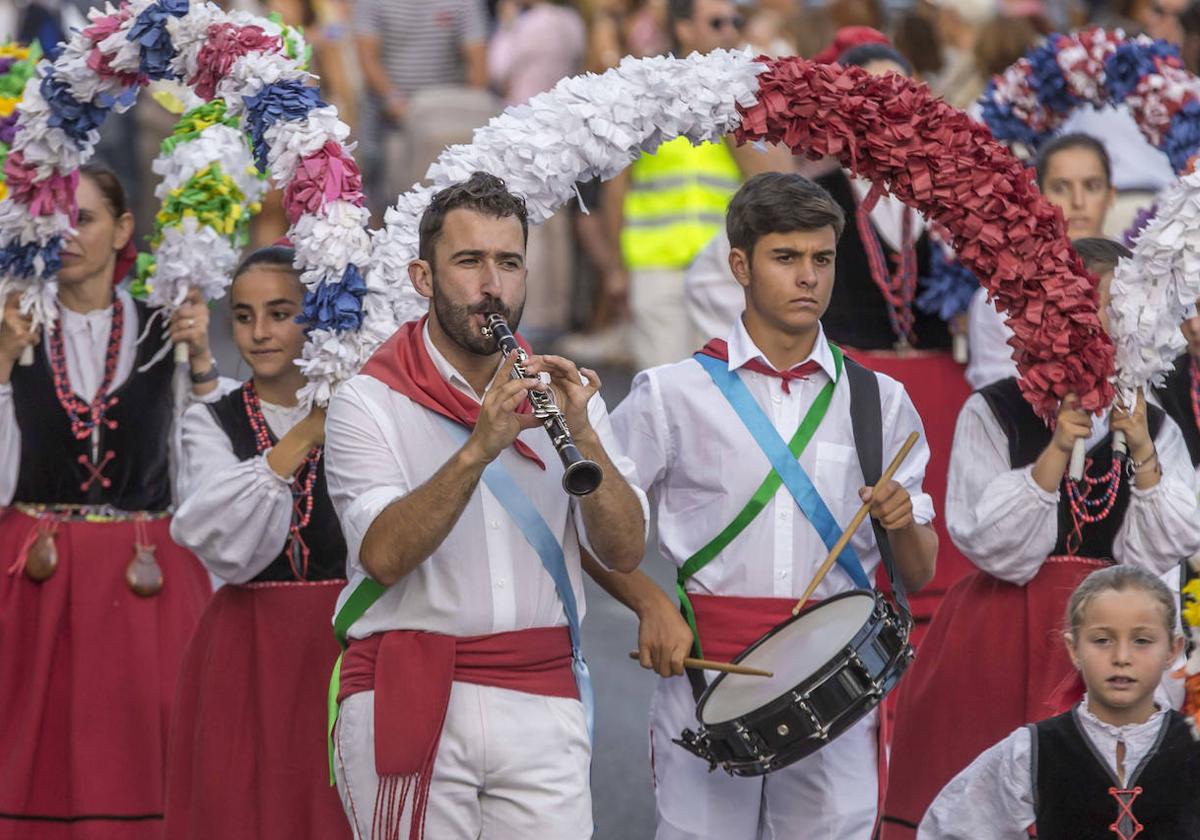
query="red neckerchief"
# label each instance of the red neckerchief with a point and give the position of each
(403, 364)
(720, 351)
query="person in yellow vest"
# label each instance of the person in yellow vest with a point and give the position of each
(668, 205)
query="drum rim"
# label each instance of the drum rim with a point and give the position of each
(875, 596)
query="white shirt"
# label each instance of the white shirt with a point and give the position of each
(700, 465)
(1006, 524)
(85, 341)
(990, 355)
(234, 515)
(993, 798)
(484, 577)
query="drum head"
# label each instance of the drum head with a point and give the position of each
(793, 652)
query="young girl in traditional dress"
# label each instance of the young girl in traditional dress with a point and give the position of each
(1111, 768)
(990, 662)
(247, 742)
(96, 602)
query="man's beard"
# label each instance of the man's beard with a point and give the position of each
(456, 320)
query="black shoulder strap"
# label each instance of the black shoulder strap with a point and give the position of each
(866, 420)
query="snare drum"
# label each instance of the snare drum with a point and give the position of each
(832, 664)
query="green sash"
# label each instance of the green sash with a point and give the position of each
(765, 492)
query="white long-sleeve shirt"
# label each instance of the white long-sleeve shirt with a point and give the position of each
(234, 515)
(990, 355)
(699, 463)
(993, 799)
(1007, 525)
(85, 342)
(484, 577)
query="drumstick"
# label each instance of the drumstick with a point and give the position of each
(855, 522)
(709, 665)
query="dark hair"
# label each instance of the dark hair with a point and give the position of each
(482, 192)
(273, 256)
(779, 202)
(1100, 254)
(680, 10)
(1119, 578)
(864, 54)
(1071, 141)
(110, 187)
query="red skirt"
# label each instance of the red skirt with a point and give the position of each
(247, 752)
(87, 677)
(993, 660)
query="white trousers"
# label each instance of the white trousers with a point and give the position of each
(661, 331)
(509, 765)
(830, 795)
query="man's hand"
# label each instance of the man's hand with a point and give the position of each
(571, 393)
(892, 505)
(664, 638)
(499, 423)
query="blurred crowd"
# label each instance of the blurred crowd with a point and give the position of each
(413, 76)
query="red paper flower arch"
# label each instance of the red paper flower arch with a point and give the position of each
(939, 161)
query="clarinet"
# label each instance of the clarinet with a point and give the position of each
(580, 476)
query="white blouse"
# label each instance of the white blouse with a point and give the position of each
(234, 515)
(993, 798)
(1007, 525)
(85, 341)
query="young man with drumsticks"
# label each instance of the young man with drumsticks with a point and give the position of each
(747, 554)
(460, 690)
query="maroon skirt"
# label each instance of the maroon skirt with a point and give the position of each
(87, 678)
(247, 752)
(993, 660)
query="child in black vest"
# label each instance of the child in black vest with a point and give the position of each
(1115, 766)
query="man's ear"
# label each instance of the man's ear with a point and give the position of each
(420, 273)
(739, 264)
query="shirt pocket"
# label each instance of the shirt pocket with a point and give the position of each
(837, 479)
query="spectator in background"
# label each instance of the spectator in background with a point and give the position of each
(405, 46)
(916, 37)
(959, 24)
(1156, 18)
(536, 43)
(1002, 42)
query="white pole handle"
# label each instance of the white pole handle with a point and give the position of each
(1077, 454)
(181, 353)
(1119, 447)
(26, 359)
(959, 349)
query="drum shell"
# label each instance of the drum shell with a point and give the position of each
(824, 705)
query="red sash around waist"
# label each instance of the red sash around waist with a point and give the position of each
(729, 624)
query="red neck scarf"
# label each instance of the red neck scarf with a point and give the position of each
(403, 364)
(718, 349)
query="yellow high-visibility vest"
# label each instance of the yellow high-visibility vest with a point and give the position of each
(676, 203)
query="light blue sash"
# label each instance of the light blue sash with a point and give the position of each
(538, 534)
(776, 449)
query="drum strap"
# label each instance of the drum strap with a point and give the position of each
(866, 422)
(786, 471)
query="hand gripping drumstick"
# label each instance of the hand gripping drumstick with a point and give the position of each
(855, 522)
(724, 667)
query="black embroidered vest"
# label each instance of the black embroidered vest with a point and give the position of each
(1028, 436)
(322, 535)
(1176, 398)
(56, 468)
(1076, 796)
(857, 316)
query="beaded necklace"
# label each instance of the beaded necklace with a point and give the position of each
(87, 417)
(898, 288)
(304, 480)
(1088, 507)
(71, 402)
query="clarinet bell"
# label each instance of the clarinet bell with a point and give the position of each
(582, 476)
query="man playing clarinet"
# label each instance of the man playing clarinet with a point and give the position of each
(464, 704)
